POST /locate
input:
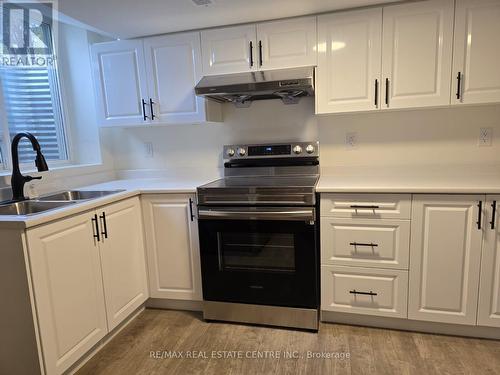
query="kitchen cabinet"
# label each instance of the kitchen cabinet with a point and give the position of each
(417, 42)
(397, 56)
(368, 291)
(488, 313)
(68, 289)
(122, 259)
(287, 43)
(172, 246)
(120, 82)
(173, 67)
(269, 45)
(445, 256)
(229, 50)
(476, 52)
(150, 81)
(349, 65)
(88, 274)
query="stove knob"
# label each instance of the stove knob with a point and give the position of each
(297, 150)
(230, 152)
(310, 149)
(242, 151)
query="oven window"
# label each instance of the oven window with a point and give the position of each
(256, 251)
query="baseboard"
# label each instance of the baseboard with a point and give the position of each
(97, 347)
(411, 325)
(174, 304)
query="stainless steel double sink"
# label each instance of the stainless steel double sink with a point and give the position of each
(52, 202)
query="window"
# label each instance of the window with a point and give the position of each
(32, 103)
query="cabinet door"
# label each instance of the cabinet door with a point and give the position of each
(229, 50)
(287, 43)
(172, 247)
(488, 313)
(445, 254)
(349, 67)
(173, 65)
(417, 54)
(67, 284)
(123, 259)
(120, 82)
(476, 52)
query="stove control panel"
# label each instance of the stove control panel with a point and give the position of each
(272, 150)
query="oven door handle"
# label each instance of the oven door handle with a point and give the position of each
(262, 214)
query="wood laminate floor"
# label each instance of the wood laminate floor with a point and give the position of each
(369, 350)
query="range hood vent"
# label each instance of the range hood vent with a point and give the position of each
(241, 89)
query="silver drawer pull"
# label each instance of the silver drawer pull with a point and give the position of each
(364, 207)
(371, 244)
(370, 293)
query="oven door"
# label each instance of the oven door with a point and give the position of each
(266, 256)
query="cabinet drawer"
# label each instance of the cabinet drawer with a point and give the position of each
(374, 206)
(365, 242)
(367, 291)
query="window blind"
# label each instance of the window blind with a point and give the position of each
(32, 104)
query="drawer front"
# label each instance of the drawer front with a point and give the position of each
(369, 206)
(365, 242)
(366, 291)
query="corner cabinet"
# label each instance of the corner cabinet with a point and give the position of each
(269, 45)
(88, 274)
(476, 72)
(150, 81)
(172, 246)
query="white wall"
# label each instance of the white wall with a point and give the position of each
(422, 137)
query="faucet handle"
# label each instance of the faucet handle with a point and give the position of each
(30, 178)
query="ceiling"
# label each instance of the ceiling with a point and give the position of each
(134, 18)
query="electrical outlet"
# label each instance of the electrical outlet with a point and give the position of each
(485, 137)
(351, 139)
(148, 149)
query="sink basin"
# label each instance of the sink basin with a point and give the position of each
(30, 207)
(77, 195)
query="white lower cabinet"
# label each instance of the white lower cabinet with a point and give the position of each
(123, 259)
(488, 312)
(172, 246)
(83, 285)
(69, 295)
(368, 291)
(445, 256)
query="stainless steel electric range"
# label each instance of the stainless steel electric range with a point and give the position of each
(259, 236)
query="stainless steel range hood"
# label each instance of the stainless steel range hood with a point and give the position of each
(289, 85)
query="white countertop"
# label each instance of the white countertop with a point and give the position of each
(430, 180)
(131, 187)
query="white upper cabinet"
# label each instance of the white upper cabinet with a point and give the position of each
(287, 43)
(488, 313)
(349, 67)
(229, 50)
(417, 54)
(269, 45)
(123, 259)
(476, 52)
(173, 65)
(120, 82)
(445, 256)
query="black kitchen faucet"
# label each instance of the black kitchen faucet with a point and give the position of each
(18, 180)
